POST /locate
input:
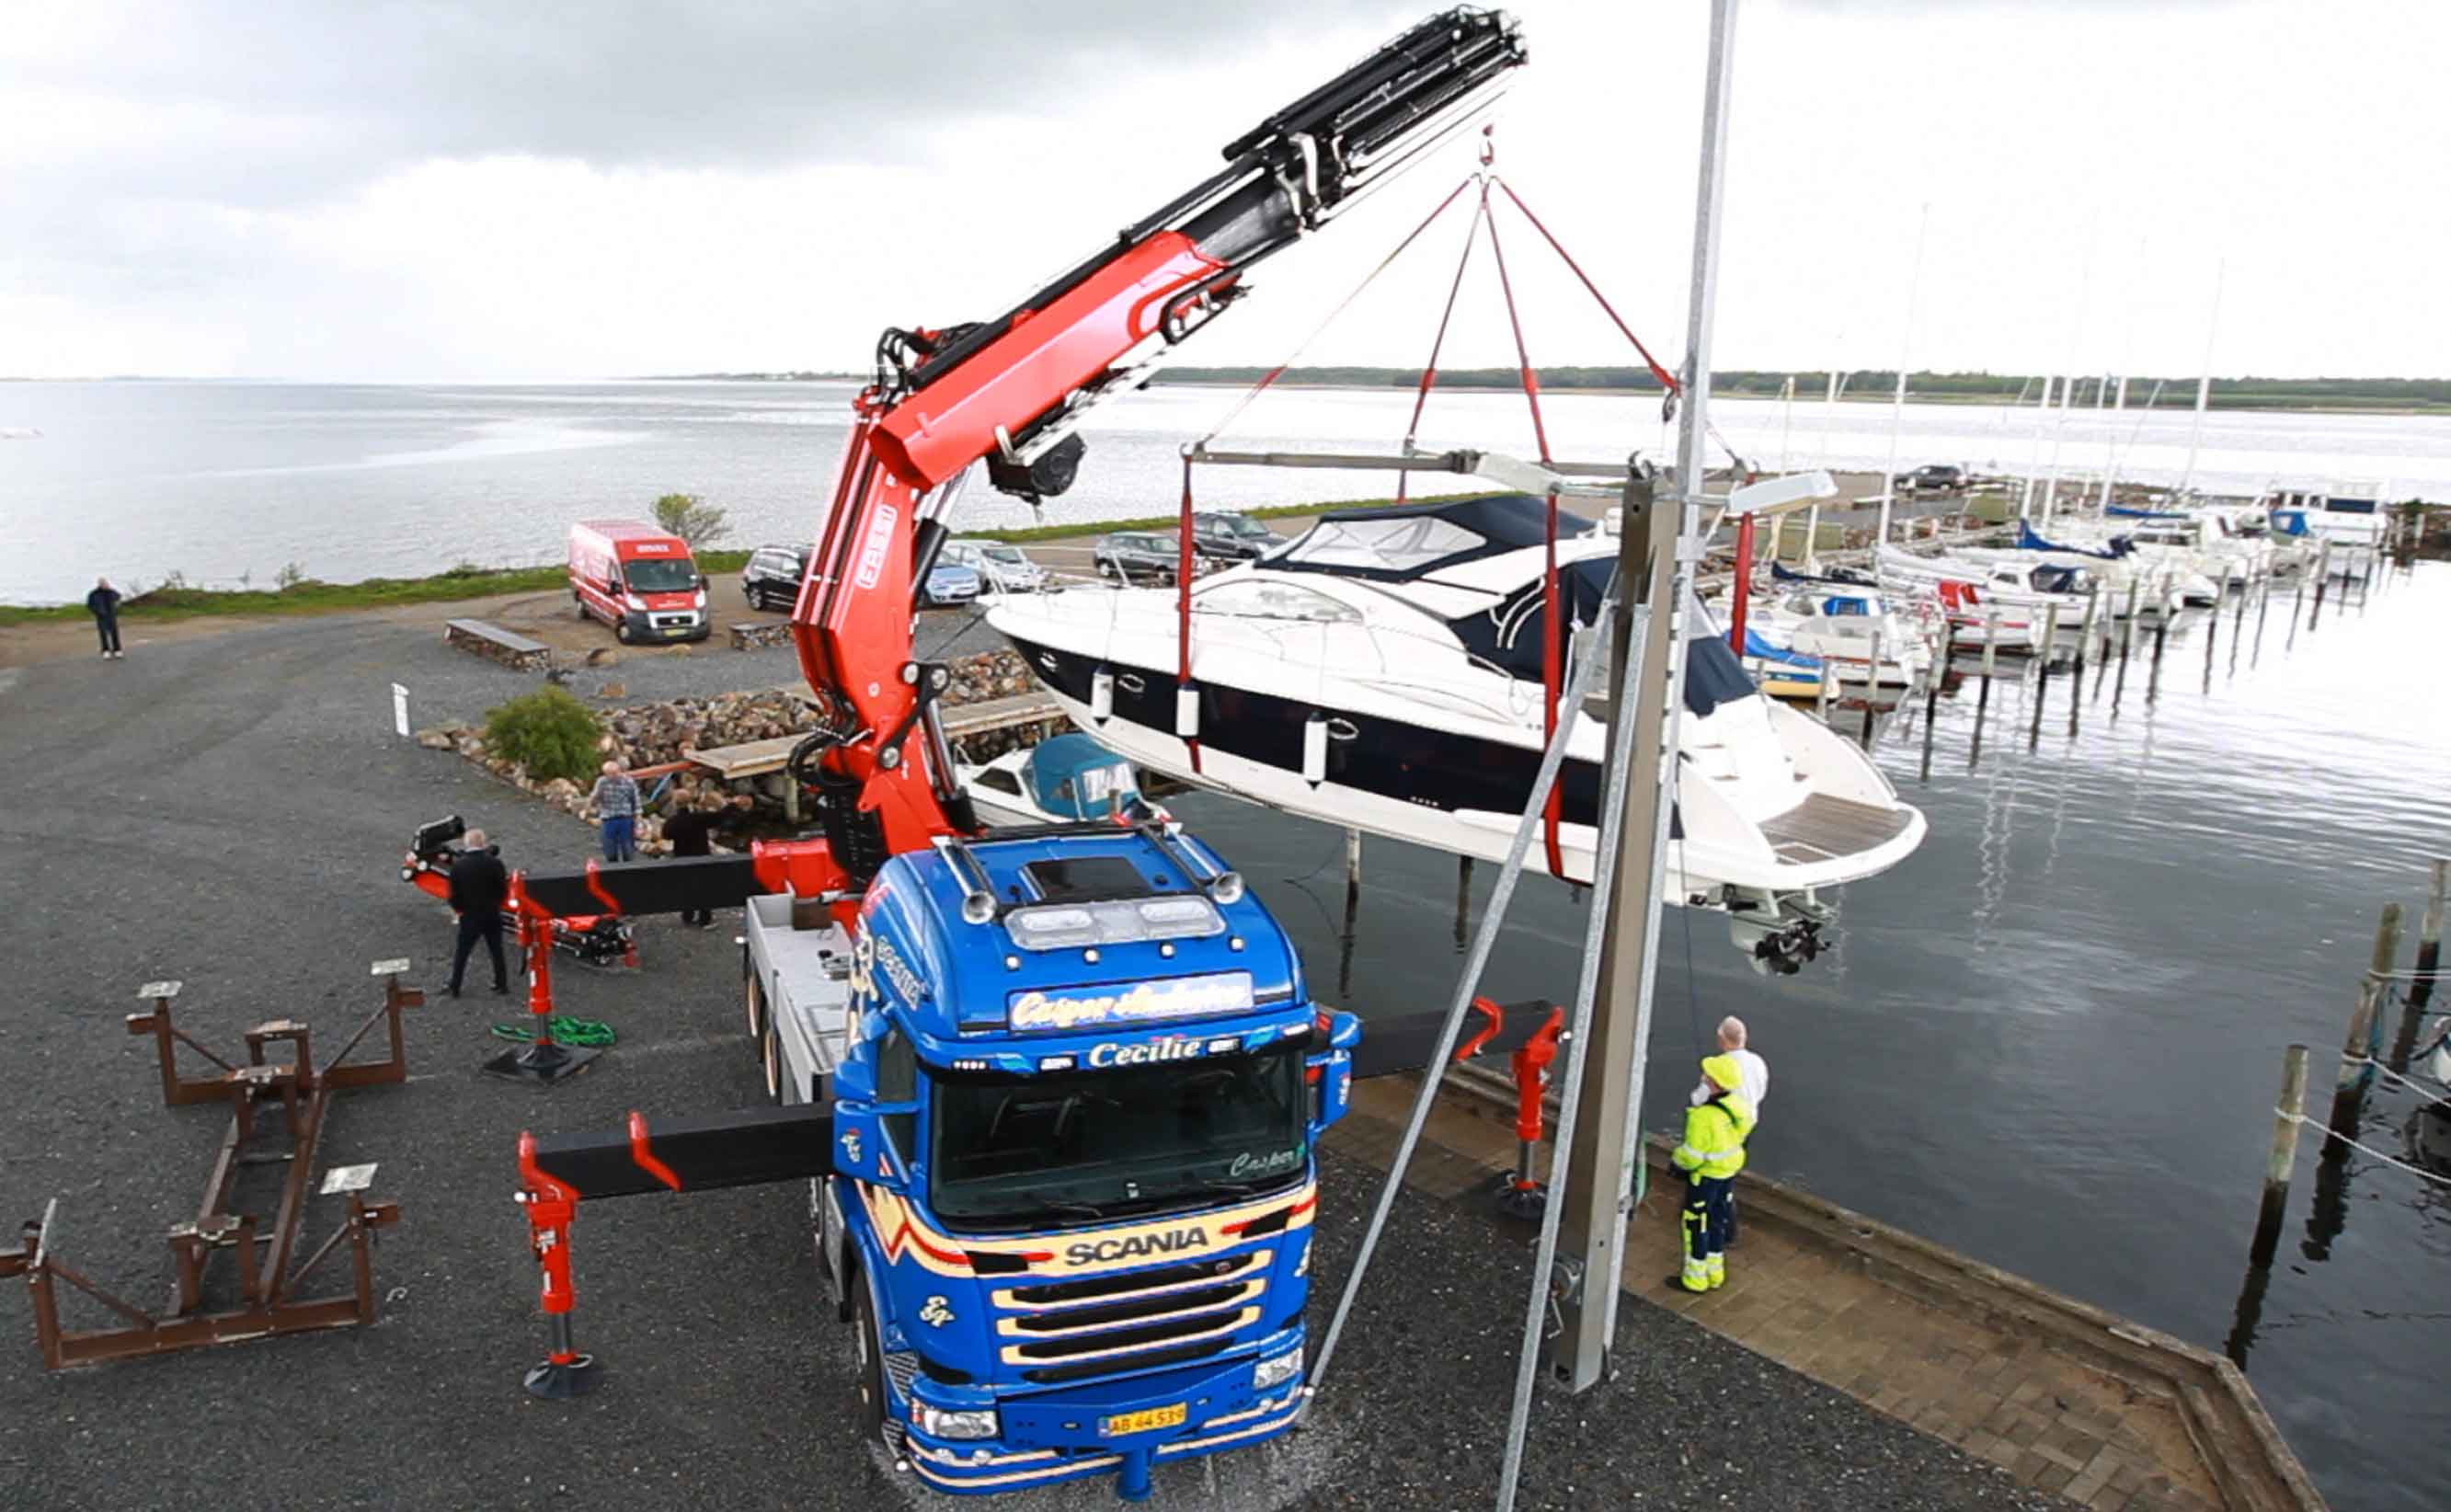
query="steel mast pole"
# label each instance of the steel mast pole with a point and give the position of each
(1600, 1168)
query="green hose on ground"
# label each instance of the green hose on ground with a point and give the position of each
(566, 1031)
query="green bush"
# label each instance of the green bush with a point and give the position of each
(690, 518)
(548, 731)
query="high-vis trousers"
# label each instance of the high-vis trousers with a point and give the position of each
(1706, 1219)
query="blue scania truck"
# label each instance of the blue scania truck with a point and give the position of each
(1075, 1084)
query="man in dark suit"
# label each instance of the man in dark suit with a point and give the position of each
(478, 887)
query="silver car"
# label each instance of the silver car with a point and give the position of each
(1001, 568)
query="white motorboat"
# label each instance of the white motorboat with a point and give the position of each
(2158, 585)
(1858, 632)
(2344, 516)
(1062, 780)
(2008, 601)
(1385, 672)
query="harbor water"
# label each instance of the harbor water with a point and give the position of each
(224, 482)
(2051, 1039)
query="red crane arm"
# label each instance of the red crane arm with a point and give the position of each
(1010, 392)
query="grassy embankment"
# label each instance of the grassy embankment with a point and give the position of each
(177, 601)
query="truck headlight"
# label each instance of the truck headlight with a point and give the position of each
(969, 1423)
(1276, 1371)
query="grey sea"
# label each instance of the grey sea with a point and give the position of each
(2051, 1039)
(224, 482)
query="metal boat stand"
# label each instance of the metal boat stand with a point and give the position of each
(269, 1289)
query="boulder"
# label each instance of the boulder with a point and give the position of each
(603, 656)
(435, 739)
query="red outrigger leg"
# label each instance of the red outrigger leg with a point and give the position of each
(550, 1207)
(1522, 1194)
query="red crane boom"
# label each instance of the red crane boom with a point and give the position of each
(1010, 392)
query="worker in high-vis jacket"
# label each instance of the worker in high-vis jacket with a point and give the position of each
(1713, 1152)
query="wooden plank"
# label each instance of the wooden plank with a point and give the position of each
(1000, 714)
(508, 641)
(754, 759)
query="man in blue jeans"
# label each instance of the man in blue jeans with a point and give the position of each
(615, 802)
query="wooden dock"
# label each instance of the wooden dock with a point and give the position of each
(2065, 1396)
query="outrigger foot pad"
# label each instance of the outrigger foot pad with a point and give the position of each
(1517, 1199)
(558, 1380)
(543, 1064)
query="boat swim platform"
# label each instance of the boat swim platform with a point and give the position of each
(1823, 828)
(2064, 1397)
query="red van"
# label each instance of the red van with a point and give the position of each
(641, 580)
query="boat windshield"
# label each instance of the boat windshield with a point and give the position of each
(1043, 1150)
(661, 574)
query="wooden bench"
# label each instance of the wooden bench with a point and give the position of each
(749, 634)
(514, 651)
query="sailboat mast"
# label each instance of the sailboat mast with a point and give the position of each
(1899, 404)
(2034, 453)
(2203, 378)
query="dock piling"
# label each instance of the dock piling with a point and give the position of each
(2284, 1157)
(1872, 687)
(2349, 1083)
(2322, 582)
(2161, 639)
(1464, 899)
(2429, 957)
(2042, 672)
(2238, 621)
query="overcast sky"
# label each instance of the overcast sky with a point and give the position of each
(489, 190)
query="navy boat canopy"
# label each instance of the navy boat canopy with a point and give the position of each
(1508, 635)
(1397, 546)
(2028, 540)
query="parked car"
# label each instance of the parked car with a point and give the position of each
(1231, 536)
(637, 579)
(772, 579)
(771, 582)
(1937, 478)
(1127, 555)
(948, 583)
(1001, 568)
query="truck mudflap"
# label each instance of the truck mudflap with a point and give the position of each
(1124, 1428)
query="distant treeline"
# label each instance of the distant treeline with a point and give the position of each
(1876, 383)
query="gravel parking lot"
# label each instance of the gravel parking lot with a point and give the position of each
(230, 811)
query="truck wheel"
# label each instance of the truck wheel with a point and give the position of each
(621, 629)
(871, 1345)
(774, 1058)
(756, 994)
(581, 605)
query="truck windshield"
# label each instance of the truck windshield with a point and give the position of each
(1059, 1150)
(661, 574)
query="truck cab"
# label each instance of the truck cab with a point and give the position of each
(1076, 1082)
(639, 580)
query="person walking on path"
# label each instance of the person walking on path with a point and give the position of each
(690, 829)
(103, 603)
(479, 888)
(1754, 1088)
(615, 802)
(1711, 1153)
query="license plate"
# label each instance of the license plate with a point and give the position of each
(1122, 1422)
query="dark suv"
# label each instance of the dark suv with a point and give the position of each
(1938, 478)
(1231, 537)
(772, 579)
(1127, 555)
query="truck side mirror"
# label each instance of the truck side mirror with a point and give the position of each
(1330, 1073)
(862, 1151)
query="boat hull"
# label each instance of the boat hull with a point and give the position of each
(1445, 788)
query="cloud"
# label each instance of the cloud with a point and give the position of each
(275, 101)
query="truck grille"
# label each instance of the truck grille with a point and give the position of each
(1134, 1320)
